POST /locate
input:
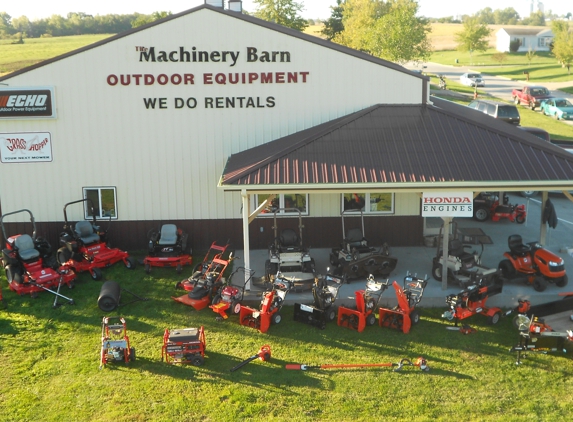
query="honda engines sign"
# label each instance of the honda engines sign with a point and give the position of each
(447, 204)
(25, 147)
(26, 103)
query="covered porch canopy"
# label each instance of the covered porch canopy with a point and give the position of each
(435, 147)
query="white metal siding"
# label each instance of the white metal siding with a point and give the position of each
(166, 163)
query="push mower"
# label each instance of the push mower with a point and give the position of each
(472, 301)
(85, 248)
(405, 314)
(166, 248)
(184, 345)
(271, 305)
(355, 259)
(115, 345)
(288, 256)
(204, 284)
(367, 302)
(487, 205)
(30, 266)
(232, 293)
(532, 262)
(464, 268)
(324, 293)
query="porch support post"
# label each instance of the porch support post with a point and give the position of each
(246, 250)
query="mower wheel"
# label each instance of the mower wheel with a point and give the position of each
(197, 360)
(481, 214)
(235, 307)
(371, 319)
(506, 267)
(331, 314)
(562, 282)
(96, 273)
(179, 269)
(13, 274)
(539, 284)
(520, 219)
(414, 317)
(63, 255)
(276, 318)
(147, 268)
(130, 263)
(437, 272)
(216, 299)
(71, 284)
(494, 319)
(132, 354)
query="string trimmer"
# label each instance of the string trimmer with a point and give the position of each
(263, 354)
(419, 362)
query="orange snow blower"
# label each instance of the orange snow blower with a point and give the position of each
(403, 316)
(263, 354)
(420, 362)
(367, 301)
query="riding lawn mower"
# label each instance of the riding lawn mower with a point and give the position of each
(487, 205)
(166, 248)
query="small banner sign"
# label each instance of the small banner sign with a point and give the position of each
(26, 147)
(447, 204)
(18, 103)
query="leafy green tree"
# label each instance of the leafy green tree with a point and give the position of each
(535, 19)
(333, 25)
(485, 16)
(399, 35)
(563, 44)
(282, 12)
(507, 16)
(145, 19)
(22, 25)
(473, 37)
(358, 19)
(529, 56)
(6, 28)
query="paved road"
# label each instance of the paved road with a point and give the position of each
(495, 86)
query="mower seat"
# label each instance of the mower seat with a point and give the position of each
(456, 248)
(168, 234)
(355, 240)
(86, 233)
(289, 241)
(516, 245)
(26, 248)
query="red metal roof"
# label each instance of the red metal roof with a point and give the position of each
(395, 144)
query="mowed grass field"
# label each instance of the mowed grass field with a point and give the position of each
(50, 365)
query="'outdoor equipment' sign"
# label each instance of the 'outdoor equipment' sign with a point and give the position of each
(26, 103)
(447, 204)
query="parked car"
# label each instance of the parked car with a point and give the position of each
(503, 111)
(560, 108)
(472, 79)
(530, 96)
(540, 133)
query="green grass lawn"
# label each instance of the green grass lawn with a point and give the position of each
(50, 361)
(34, 50)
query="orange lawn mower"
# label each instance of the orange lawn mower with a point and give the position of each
(420, 362)
(85, 245)
(30, 265)
(263, 354)
(184, 345)
(367, 301)
(231, 294)
(403, 316)
(271, 305)
(115, 345)
(204, 284)
(167, 248)
(532, 263)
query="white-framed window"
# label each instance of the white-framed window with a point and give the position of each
(104, 201)
(369, 203)
(544, 41)
(287, 203)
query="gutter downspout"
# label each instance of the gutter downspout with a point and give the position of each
(246, 250)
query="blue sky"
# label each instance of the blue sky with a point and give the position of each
(35, 9)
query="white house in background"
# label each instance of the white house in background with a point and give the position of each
(534, 38)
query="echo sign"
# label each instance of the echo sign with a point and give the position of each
(447, 204)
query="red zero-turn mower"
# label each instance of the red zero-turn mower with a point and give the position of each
(115, 345)
(203, 286)
(271, 305)
(487, 205)
(166, 248)
(324, 292)
(367, 301)
(30, 266)
(85, 248)
(184, 345)
(231, 294)
(532, 262)
(472, 301)
(403, 316)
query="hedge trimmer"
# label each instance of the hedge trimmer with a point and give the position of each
(419, 362)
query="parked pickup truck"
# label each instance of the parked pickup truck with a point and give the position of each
(530, 96)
